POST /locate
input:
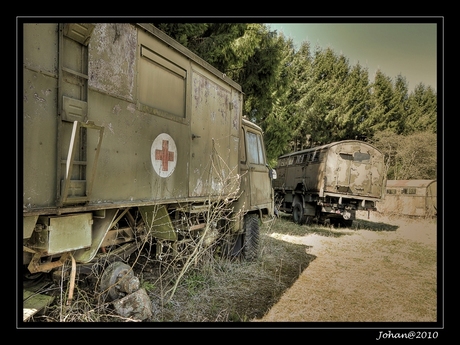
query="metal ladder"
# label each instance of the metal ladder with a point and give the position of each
(74, 181)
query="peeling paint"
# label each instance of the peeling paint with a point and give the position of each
(339, 173)
(131, 108)
(112, 59)
(217, 185)
(110, 128)
(198, 188)
(116, 109)
(38, 98)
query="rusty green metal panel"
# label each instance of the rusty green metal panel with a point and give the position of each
(169, 123)
(410, 198)
(215, 129)
(63, 233)
(360, 174)
(257, 182)
(29, 225)
(34, 302)
(196, 122)
(102, 222)
(40, 110)
(132, 166)
(158, 222)
(348, 167)
(112, 55)
(79, 32)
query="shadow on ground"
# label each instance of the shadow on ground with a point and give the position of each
(290, 227)
(280, 265)
(361, 224)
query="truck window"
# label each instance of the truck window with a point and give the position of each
(255, 149)
(317, 156)
(362, 157)
(162, 84)
(408, 191)
(357, 157)
(282, 162)
(346, 156)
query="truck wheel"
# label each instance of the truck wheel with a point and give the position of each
(118, 280)
(298, 213)
(251, 237)
(347, 223)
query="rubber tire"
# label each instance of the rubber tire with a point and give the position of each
(347, 223)
(298, 213)
(328, 223)
(231, 246)
(250, 250)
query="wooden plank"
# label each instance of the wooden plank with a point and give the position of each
(33, 303)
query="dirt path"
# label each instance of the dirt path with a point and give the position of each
(383, 276)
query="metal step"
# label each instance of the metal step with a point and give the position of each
(34, 302)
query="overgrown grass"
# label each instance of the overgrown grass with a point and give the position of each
(215, 289)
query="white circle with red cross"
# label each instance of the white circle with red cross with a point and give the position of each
(164, 155)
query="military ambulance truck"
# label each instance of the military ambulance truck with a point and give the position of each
(329, 183)
(128, 135)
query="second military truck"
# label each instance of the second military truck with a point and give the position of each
(329, 183)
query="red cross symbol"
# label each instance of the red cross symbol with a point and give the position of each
(164, 155)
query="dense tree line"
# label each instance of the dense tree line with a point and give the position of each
(305, 97)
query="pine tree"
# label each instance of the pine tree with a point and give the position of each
(301, 113)
(277, 127)
(422, 110)
(357, 104)
(210, 41)
(383, 113)
(302, 99)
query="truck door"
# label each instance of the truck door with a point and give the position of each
(215, 123)
(354, 175)
(343, 173)
(257, 175)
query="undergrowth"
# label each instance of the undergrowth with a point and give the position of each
(213, 288)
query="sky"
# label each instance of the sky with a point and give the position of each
(409, 49)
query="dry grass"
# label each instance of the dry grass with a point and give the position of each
(386, 271)
(380, 270)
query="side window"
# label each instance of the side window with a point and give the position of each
(346, 156)
(162, 85)
(315, 157)
(409, 191)
(362, 157)
(255, 148)
(356, 157)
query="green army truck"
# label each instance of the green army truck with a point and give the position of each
(127, 135)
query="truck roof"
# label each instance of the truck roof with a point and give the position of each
(410, 183)
(316, 148)
(249, 123)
